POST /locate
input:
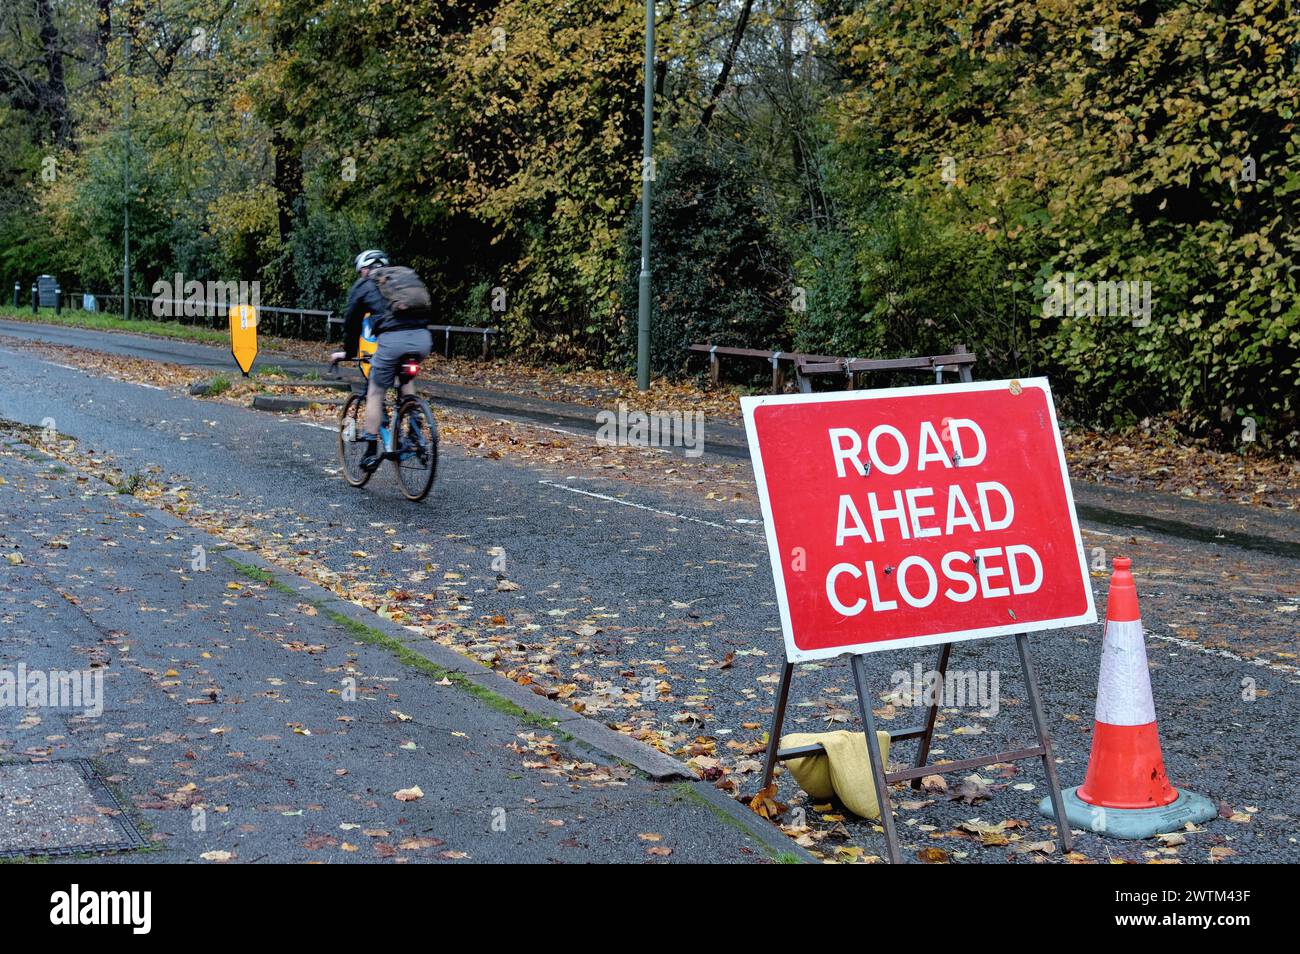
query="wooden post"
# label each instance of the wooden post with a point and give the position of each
(964, 373)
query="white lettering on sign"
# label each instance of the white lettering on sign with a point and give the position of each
(912, 514)
(902, 515)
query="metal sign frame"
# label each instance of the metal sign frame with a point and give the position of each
(925, 733)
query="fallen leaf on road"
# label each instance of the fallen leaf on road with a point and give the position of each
(765, 803)
(934, 783)
(1028, 847)
(416, 844)
(408, 794)
(972, 789)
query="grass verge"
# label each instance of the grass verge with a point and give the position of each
(687, 792)
(403, 653)
(98, 321)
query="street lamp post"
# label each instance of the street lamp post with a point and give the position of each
(126, 185)
(647, 176)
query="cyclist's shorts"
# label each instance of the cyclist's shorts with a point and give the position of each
(390, 350)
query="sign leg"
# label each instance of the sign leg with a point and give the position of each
(923, 752)
(778, 719)
(1040, 725)
(877, 762)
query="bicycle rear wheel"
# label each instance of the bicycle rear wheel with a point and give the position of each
(416, 443)
(352, 424)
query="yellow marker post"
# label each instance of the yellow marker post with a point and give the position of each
(366, 346)
(243, 336)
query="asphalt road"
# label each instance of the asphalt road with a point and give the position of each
(677, 583)
(245, 723)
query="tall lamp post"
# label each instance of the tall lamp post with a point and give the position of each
(126, 184)
(647, 176)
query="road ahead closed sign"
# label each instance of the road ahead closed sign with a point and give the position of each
(910, 516)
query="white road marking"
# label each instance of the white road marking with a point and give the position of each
(323, 427)
(1224, 653)
(662, 513)
(543, 427)
(590, 437)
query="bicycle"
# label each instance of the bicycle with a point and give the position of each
(408, 434)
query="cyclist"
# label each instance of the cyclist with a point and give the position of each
(399, 307)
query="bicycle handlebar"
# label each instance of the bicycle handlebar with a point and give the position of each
(358, 359)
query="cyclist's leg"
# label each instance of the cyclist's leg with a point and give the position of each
(374, 408)
(383, 370)
(374, 414)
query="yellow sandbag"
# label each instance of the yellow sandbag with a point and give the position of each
(844, 771)
(813, 773)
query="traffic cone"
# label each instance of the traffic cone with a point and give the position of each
(1126, 793)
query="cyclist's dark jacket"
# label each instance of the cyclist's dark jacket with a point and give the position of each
(364, 299)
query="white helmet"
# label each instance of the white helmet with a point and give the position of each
(370, 258)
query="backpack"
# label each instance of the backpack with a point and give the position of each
(402, 289)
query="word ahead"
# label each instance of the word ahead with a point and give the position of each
(910, 516)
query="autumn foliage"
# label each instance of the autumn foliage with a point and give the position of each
(862, 178)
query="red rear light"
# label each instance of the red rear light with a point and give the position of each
(411, 369)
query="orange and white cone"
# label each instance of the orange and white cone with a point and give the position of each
(1126, 792)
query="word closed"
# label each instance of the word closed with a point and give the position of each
(910, 516)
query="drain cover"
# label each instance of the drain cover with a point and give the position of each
(60, 808)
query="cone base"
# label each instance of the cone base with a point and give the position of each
(1133, 823)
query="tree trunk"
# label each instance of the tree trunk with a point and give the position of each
(55, 94)
(728, 61)
(103, 36)
(286, 153)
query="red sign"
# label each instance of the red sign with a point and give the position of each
(909, 516)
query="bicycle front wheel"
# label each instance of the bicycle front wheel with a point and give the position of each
(352, 424)
(416, 442)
